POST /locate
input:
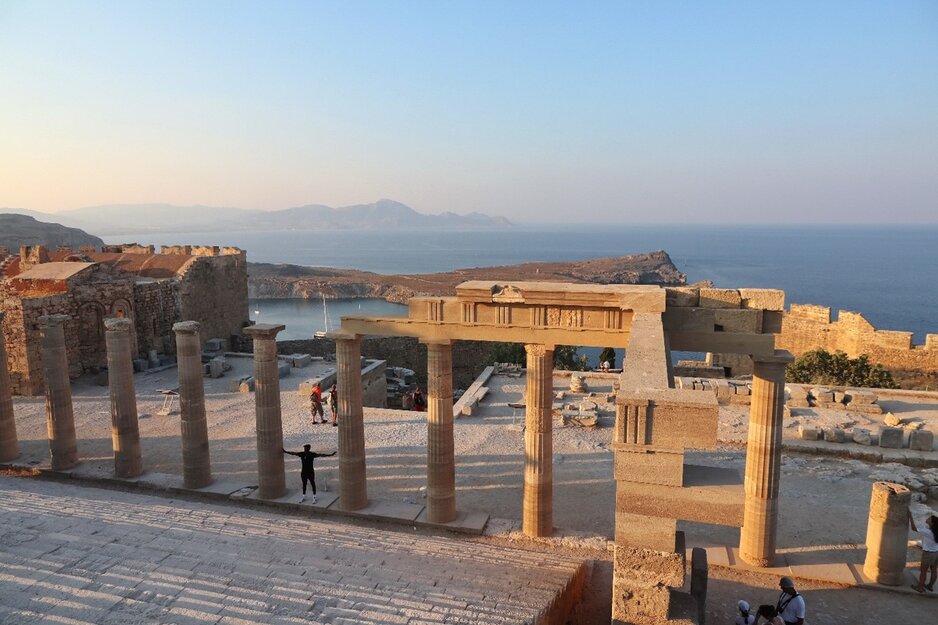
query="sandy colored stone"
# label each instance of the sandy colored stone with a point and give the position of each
(9, 448)
(271, 478)
(890, 437)
(441, 466)
(196, 458)
(60, 417)
(537, 519)
(765, 299)
(892, 420)
(125, 430)
(922, 440)
(887, 534)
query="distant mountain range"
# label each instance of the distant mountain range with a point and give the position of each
(17, 230)
(153, 218)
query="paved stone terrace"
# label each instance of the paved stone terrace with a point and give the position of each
(78, 555)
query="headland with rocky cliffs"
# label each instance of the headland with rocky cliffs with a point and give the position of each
(275, 281)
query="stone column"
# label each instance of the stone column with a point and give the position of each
(538, 517)
(887, 534)
(196, 461)
(271, 478)
(763, 459)
(9, 449)
(441, 462)
(125, 431)
(353, 488)
(59, 416)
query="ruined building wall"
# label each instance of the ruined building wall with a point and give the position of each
(806, 327)
(213, 290)
(157, 309)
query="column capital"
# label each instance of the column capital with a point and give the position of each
(118, 324)
(187, 327)
(264, 330)
(538, 349)
(780, 357)
(338, 335)
(51, 321)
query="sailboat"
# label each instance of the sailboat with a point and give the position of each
(321, 334)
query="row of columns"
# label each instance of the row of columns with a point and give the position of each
(353, 492)
(125, 431)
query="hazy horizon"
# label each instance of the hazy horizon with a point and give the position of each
(544, 113)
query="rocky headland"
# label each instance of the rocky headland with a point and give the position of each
(272, 281)
(17, 230)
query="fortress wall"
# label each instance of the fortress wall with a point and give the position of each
(806, 327)
(157, 309)
(214, 291)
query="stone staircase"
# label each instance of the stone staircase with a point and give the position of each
(114, 557)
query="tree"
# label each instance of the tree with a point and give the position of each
(819, 366)
(566, 358)
(512, 353)
(608, 353)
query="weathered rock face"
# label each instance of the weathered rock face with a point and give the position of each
(292, 281)
(17, 230)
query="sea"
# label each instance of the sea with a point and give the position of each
(888, 273)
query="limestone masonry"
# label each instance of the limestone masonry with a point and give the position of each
(203, 284)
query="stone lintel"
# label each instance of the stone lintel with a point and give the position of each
(187, 327)
(639, 298)
(264, 330)
(436, 341)
(339, 335)
(648, 464)
(118, 324)
(432, 331)
(50, 321)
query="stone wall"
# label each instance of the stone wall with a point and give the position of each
(213, 290)
(157, 309)
(468, 356)
(806, 327)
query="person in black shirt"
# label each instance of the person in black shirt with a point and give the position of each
(307, 472)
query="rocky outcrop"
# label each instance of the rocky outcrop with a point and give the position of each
(17, 230)
(266, 281)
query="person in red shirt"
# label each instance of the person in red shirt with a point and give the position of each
(315, 404)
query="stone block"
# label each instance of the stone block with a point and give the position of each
(742, 389)
(892, 420)
(709, 495)
(655, 533)
(682, 296)
(649, 465)
(922, 440)
(216, 367)
(862, 436)
(861, 397)
(867, 408)
(840, 397)
(720, 298)
(890, 437)
(765, 299)
(215, 345)
(798, 403)
(821, 394)
(301, 360)
(688, 319)
(630, 603)
(738, 320)
(246, 385)
(796, 391)
(808, 434)
(283, 369)
(834, 435)
(140, 365)
(648, 568)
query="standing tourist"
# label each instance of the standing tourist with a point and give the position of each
(315, 404)
(767, 615)
(307, 471)
(420, 404)
(790, 604)
(929, 536)
(334, 404)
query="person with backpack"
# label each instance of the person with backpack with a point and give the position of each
(790, 605)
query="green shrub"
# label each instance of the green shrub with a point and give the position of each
(819, 366)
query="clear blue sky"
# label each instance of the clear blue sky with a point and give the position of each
(815, 111)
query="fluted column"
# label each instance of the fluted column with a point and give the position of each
(763, 459)
(353, 488)
(887, 534)
(9, 449)
(271, 478)
(538, 518)
(441, 462)
(60, 419)
(196, 461)
(125, 430)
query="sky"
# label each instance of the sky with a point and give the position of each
(595, 112)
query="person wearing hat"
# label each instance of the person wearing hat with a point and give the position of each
(790, 604)
(744, 617)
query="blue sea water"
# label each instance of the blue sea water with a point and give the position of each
(889, 273)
